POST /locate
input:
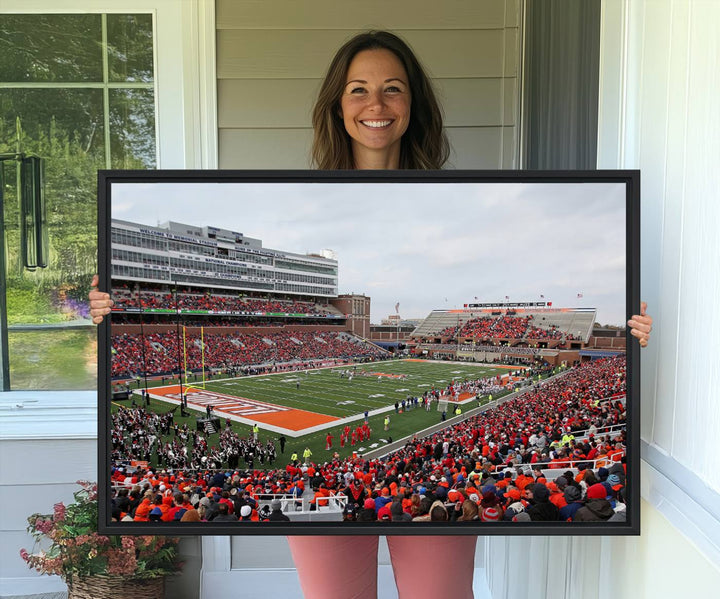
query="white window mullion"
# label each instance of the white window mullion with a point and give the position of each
(106, 91)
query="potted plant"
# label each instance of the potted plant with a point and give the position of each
(67, 544)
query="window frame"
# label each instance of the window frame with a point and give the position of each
(185, 97)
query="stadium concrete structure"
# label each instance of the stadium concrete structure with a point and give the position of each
(175, 253)
(253, 286)
(553, 335)
(215, 260)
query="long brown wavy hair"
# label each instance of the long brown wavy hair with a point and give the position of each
(424, 144)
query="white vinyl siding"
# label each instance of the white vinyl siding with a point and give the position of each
(670, 129)
(271, 58)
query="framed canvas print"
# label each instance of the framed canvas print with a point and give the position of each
(368, 352)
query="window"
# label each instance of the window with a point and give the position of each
(78, 90)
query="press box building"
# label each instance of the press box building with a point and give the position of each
(175, 253)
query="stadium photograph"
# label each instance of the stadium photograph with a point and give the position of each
(358, 355)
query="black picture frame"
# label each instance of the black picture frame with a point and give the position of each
(630, 179)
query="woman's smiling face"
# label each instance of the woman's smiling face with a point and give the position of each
(375, 107)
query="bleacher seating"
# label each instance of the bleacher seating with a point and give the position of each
(157, 353)
(529, 324)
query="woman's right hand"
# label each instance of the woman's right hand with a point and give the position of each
(100, 302)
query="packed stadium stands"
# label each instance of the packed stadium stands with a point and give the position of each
(529, 324)
(157, 353)
(552, 332)
(148, 299)
(519, 457)
(503, 327)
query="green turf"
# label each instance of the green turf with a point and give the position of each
(324, 391)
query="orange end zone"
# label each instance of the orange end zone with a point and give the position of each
(296, 420)
(247, 409)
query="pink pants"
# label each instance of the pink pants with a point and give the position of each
(346, 566)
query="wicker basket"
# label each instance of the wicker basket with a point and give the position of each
(113, 587)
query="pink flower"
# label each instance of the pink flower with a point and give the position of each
(89, 488)
(128, 543)
(70, 554)
(121, 562)
(43, 526)
(59, 511)
(54, 565)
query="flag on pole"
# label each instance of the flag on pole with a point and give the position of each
(397, 308)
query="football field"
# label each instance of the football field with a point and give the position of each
(331, 390)
(305, 406)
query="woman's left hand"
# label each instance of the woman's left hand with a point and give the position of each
(641, 325)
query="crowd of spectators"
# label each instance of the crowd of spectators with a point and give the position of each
(448, 332)
(140, 434)
(486, 468)
(553, 332)
(529, 351)
(502, 327)
(157, 353)
(212, 302)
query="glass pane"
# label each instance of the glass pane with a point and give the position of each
(50, 48)
(54, 359)
(65, 128)
(132, 128)
(130, 47)
(51, 118)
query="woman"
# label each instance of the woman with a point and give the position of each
(588, 480)
(377, 110)
(363, 119)
(470, 512)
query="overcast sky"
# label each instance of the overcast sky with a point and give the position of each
(425, 245)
